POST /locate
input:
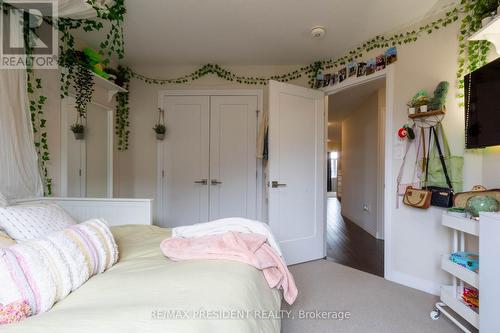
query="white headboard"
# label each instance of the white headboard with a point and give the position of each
(114, 211)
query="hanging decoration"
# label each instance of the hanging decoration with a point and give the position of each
(122, 123)
(160, 129)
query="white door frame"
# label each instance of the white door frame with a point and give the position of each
(160, 207)
(389, 75)
(63, 188)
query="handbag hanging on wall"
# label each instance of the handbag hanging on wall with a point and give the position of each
(440, 196)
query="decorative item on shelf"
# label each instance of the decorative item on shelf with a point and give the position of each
(466, 259)
(342, 75)
(457, 212)
(95, 62)
(471, 297)
(361, 69)
(78, 130)
(371, 66)
(380, 62)
(438, 100)
(351, 69)
(419, 101)
(461, 199)
(481, 203)
(391, 55)
(160, 128)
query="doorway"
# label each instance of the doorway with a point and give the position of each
(355, 176)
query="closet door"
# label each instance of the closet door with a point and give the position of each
(233, 162)
(186, 160)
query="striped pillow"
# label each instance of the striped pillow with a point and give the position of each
(44, 271)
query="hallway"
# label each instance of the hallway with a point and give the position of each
(350, 245)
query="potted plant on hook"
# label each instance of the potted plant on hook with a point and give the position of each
(160, 128)
(78, 130)
(160, 131)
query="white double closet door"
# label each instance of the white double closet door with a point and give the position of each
(208, 158)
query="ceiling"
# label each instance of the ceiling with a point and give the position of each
(258, 32)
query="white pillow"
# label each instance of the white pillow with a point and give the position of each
(31, 221)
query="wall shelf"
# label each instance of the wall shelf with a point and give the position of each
(490, 32)
(426, 114)
(111, 87)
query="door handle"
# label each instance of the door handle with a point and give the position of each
(201, 182)
(275, 184)
(215, 182)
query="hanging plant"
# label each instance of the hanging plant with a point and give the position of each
(78, 130)
(472, 54)
(79, 76)
(122, 122)
(160, 128)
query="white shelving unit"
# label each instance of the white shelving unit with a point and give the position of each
(109, 86)
(451, 295)
(490, 32)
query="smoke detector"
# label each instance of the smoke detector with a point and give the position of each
(318, 32)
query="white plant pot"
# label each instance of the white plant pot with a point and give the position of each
(423, 108)
(411, 110)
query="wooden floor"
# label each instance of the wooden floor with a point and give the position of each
(350, 245)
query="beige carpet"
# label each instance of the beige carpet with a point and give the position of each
(375, 305)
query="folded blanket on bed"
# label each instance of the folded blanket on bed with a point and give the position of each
(249, 248)
(236, 224)
(44, 271)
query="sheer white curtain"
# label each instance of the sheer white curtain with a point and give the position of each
(19, 172)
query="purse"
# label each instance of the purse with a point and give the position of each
(454, 164)
(417, 198)
(460, 199)
(440, 196)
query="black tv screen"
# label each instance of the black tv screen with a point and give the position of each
(482, 106)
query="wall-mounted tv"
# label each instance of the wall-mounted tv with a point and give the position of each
(482, 106)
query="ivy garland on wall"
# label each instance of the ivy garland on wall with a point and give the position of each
(471, 56)
(76, 74)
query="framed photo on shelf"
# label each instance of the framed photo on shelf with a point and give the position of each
(371, 66)
(380, 62)
(351, 69)
(391, 55)
(361, 69)
(342, 75)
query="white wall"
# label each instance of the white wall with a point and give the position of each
(135, 169)
(359, 164)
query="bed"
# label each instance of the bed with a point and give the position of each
(146, 292)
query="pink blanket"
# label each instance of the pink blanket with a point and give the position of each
(248, 248)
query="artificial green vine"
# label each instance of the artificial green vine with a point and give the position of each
(472, 54)
(36, 104)
(122, 122)
(317, 67)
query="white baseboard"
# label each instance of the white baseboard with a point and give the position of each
(427, 286)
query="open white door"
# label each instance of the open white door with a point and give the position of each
(297, 171)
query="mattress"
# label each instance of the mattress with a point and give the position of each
(146, 292)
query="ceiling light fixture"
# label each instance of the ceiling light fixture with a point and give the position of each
(318, 32)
